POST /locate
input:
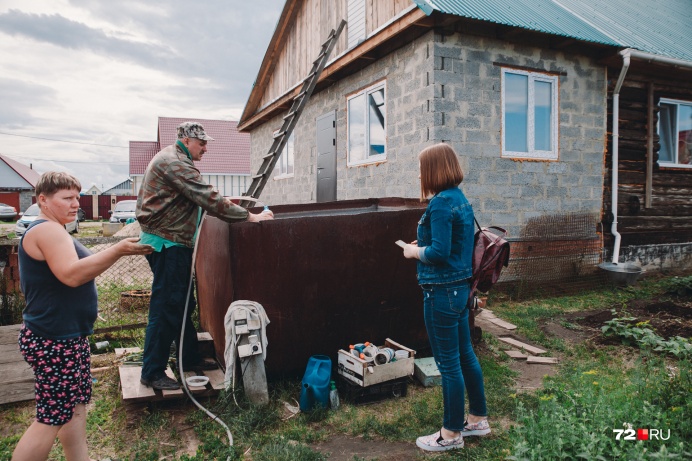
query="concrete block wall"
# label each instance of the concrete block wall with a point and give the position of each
(468, 108)
(662, 257)
(448, 89)
(25, 200)
(408, 122)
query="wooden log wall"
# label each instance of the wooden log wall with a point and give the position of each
(311, 27)
(669, 218)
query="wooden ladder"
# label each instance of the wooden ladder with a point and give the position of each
(291, 118)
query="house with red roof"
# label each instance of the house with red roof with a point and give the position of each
(17, 183)
(226, 165)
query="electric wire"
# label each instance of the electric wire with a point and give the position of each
(182, 336)
(64, 140)
(182, 330)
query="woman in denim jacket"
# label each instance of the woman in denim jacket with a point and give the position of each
(443, 249)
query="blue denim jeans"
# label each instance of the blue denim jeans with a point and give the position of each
(171, 267)
(446, 319)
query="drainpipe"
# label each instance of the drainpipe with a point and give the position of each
(628, 54)
(616, 134)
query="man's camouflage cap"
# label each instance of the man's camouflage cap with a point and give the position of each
(193, 130)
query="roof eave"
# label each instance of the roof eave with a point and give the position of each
(277, 41)
(252, 115)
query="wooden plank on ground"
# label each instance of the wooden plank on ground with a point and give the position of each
(172, 394)
(516, 355)
(503, 324)
(486, 314)
(204, 336)
(121, 351)
(133, 390)
(216, 379)
(205, 344)
(532, 359)
(519, 344)
(14, 347)
(9, 353)
(194, 389)
(9, 334)
(16, 391)
(15, 371)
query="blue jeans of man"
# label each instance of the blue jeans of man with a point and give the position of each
(446, 319)
(171, 267)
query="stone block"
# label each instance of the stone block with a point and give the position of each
(425, 370)
(111, 228)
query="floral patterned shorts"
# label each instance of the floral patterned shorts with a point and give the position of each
(62, 368)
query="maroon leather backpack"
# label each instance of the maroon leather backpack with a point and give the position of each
(490, 255)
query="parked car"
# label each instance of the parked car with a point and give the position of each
(124, 210)
(81, 215)
(7, 212)
(31, 214)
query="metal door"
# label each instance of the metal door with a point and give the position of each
(326, 157)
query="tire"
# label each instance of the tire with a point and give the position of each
(76, 228)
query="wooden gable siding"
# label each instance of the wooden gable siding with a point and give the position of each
(668, 219)
(311, 26)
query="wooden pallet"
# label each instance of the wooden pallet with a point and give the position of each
(134, 391)
(16, 376)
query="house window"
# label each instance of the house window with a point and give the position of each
(675, 131)
(529, 115)
(356, 22)
(366, 122)
(284, 166)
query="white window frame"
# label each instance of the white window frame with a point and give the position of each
(530, 136)
(675, 163)
(369, 159)
(288, 152)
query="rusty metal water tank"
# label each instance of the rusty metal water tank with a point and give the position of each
(327, 274)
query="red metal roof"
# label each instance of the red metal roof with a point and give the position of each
(228, 153)
(31, 176)
(141, 153)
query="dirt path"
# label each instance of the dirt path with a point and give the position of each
(530, 374)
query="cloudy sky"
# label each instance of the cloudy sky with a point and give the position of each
(98, 73)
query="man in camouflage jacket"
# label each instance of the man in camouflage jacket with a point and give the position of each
(169, 207)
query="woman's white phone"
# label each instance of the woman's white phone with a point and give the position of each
(401, 243)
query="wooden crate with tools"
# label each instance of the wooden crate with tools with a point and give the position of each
(365, 372)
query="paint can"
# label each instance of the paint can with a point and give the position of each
(384, 355)
(401, 354)
(369, 353)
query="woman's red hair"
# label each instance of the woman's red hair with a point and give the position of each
(439, 170)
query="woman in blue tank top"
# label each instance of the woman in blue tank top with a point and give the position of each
(57, 278)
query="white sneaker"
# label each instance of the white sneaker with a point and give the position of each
(435, 442)
(480, 428)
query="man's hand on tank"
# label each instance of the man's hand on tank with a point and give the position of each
(263, 216)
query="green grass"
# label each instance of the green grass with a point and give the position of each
(596, 389)
(576, 412)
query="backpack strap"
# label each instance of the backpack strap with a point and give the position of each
(479, 226)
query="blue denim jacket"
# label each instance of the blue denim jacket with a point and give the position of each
(445, 235)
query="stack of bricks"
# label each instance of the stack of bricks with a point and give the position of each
(10, 271)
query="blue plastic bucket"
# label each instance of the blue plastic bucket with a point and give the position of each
(314, 391)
